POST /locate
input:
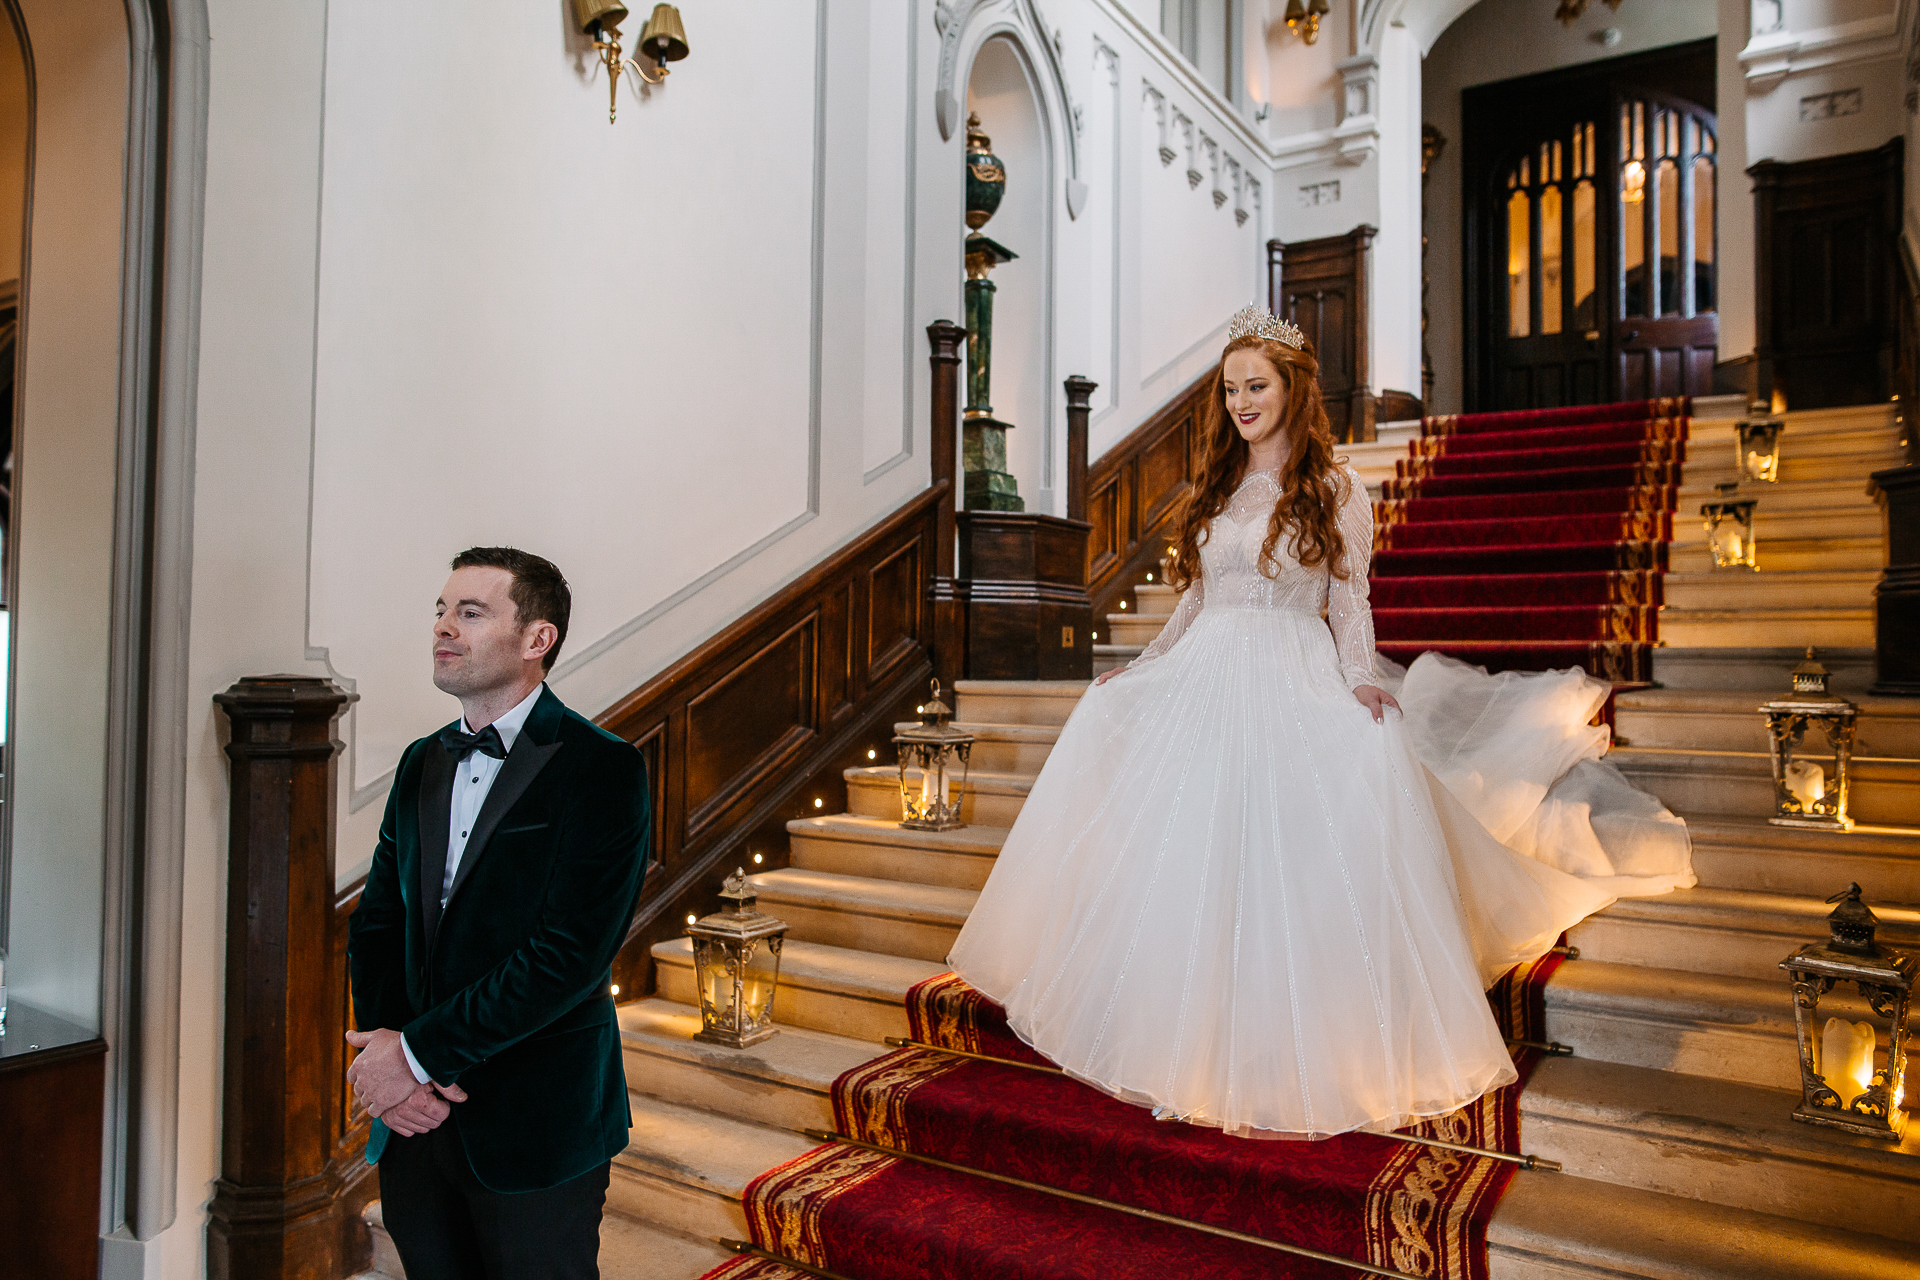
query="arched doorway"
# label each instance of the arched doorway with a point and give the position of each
(1591, 251)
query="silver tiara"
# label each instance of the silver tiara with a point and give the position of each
(1257, 322)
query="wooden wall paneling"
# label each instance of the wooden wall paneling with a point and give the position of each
(277, 1205)
(1134, 492)
(749, 729)
(52, 1104)
(356, 1179)
(1826, 235)
(1321, 285)
(1023, 576)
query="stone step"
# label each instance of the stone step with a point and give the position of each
(1780, 555)
(1738, 933)
(1719, 1142)
(1746, 667)
(991, 799)
(1884, 791)
(881, 849)
(685, 1169)
(1155, 597)
(1017, 701)
(1107, 657)
(1729, 720)
(890, 917)
(857, 994)
(1768, 626)
(1751, 853)
(1125, 629)
(1707, 465)
(1785, 495)
(1860, 519)
(1696, 1024)
(785, 1082)
(1807, 589)
(1558, 1227)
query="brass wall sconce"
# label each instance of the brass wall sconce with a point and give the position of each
(663, 39)
(1304, 19)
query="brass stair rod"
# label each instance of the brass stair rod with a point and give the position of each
(753, 1250)
(1524, 1161)
(1545, 1046)
(1366, 1268)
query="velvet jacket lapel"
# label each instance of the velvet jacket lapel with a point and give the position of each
(539, 742)
(436, 811)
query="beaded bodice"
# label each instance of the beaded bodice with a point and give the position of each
(1232, 577)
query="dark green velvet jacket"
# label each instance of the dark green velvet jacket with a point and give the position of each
(505, 992)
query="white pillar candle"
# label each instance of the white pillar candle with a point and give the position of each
(1846, 1058)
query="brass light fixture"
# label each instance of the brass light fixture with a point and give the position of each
(663, 40)
(736, 962)
(1757, 445)
(1304, 19)
(1729, 522)
(1841, 1083)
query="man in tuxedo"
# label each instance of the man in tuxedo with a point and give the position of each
(508, 868)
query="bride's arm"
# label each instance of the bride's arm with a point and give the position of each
(1191, 602)
(1348, 612)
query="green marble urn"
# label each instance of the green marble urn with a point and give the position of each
(986, 176)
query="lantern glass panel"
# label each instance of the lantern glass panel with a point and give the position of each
(1853, 1073)
(1756, 443)
(1811, 788)
(1730, 533)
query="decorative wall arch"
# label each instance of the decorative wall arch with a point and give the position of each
(965, 25)
(1426, 18)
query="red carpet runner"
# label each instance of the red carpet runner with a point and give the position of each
(870, 1216)
(1524, 541)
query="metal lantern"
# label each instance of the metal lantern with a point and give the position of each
(1757, 446)
(1808, 792)
(736, 961)
(1842, 1081)
(1730, 529)
(931, 795)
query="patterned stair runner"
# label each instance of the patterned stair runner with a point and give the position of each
(1523, 541)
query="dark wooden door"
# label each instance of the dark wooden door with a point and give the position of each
(1591, 239)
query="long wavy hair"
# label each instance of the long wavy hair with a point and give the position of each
(1312, 488)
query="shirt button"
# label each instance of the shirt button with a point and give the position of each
(463, 835)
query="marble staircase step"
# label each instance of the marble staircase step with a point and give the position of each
(1884, 791)
(1124, 628)
(1784, 495)
(1782, 555)
(1697, 1024)
(1834, 627)
(685, 1169)
(1016, 701)
(1010, 748)
(1744, 667)
(1707, 466)
(881, 849)
(1559, 1227)
(1752, 853)
(1859, 519)
(891, 917)
(785, 1082)
(991, 799)
(1807, 589)
(857, 994)
(1719, 1142)
(1737, 933)
(1729, 720)
(1106, 657)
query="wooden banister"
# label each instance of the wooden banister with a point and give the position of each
(1079, 403)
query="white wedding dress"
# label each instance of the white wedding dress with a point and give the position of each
(1232, 895)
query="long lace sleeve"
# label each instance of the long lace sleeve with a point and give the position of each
(1191, 602)
(1348, 613)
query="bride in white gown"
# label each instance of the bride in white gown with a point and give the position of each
(1235, 892)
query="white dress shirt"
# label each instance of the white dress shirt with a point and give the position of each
(472, 780)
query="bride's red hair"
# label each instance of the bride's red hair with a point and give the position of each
(1312, 488)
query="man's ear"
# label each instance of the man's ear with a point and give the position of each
(541, 637)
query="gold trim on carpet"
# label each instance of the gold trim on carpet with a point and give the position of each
(785, 1207)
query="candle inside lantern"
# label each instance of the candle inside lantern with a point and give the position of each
(1846, 1058)
(1805, 781)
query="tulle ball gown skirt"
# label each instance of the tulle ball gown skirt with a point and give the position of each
(1233, 895)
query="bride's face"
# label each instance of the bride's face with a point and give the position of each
(1256, 394)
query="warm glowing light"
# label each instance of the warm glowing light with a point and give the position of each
(1634, 176)
(1149, 577)
(1123, 604)
(690, 919)
(818, 803)
(614, 989)
(758, 859)
(1846, 1058)
(871, 753)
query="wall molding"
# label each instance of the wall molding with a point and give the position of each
(1772, 56)
(965, 25)
(910, 160)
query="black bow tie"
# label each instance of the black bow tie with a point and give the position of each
(486, 742)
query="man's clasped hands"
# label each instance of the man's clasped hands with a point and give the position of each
(387, 1089)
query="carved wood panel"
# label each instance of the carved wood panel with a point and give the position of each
(750, 721)
(1134, 492)
(896, 591)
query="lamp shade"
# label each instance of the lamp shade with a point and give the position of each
(664, 39)
(592, 16)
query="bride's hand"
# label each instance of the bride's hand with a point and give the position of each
(1375, 700)
(1108, 674)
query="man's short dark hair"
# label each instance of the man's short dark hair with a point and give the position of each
(539, 591)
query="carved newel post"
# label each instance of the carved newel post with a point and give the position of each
(989, 485)
(949, 616)
(275, 1211)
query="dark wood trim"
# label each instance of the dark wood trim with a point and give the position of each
(284, 1186)
(1079, 405)
(1023, 577)
(949, 620)
(1322, 285)
(1896, 599)
(750, 729)
(52, 1103)
(1134, 490)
